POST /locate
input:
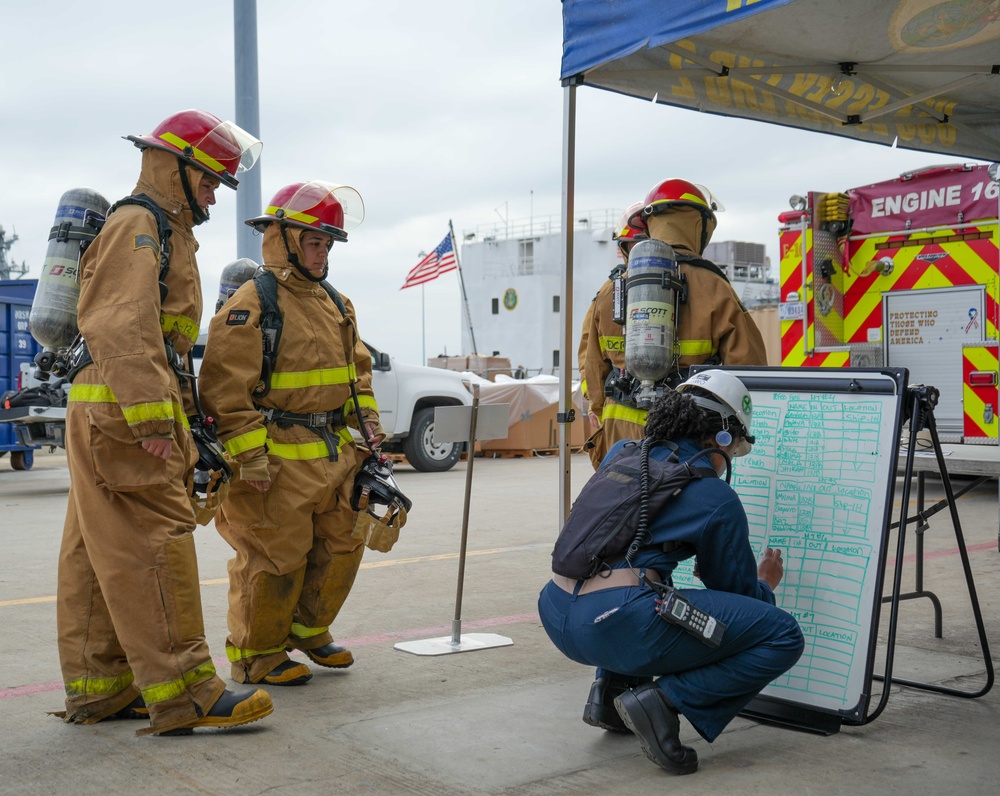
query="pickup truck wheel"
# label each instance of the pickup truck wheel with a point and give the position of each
(422, 452)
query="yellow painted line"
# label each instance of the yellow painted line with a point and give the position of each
(365, 565)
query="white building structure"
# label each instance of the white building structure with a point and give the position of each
(513, 281)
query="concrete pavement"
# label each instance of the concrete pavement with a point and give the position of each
(503, 720)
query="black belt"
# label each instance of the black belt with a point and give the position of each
(317, 422)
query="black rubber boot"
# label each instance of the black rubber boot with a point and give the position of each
(233, 709)
(288, 673)
(600, 709)
(331, 655)
(648, 713)
(136, 709)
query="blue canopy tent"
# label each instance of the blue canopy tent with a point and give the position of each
(918, 74)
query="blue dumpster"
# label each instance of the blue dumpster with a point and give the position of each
(16, 347)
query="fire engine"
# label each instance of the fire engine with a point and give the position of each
(902, 273)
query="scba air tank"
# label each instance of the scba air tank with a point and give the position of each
(650, 316)
(52, 320)
(234, 275)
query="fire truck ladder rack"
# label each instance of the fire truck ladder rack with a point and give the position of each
(921, 413)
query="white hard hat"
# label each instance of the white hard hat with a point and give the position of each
(733, 401)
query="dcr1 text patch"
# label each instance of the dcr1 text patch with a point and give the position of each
(237, 317)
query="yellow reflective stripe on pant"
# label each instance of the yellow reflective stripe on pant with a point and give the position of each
(137, 413)
(236, 654)
(314, 378)
(301, 631)
(164, 691)
(245, 442)
(627, 413)
(84, 686)
(306, 450)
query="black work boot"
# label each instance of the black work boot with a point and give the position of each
(288, 672)
(648, 713)
(232, 709)
(600, 709)
(331, 655)
(136, 709)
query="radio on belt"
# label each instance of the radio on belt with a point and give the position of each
(673, 607)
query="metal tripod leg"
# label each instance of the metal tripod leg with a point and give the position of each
(923, 416)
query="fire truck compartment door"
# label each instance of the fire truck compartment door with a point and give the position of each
(924, 331)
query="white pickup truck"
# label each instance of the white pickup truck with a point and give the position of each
(407, 395)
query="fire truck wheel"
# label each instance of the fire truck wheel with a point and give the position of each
(422, 451)
(22, 460)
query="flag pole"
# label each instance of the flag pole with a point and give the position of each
(423, 325)
(461, 281)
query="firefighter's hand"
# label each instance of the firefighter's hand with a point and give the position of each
(254, 473)
(595, 421)
(374, 435)
(160, 448)
(771, 568)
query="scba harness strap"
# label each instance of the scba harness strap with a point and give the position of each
(271, 323)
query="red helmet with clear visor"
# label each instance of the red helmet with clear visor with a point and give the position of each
(681, 193)
(321, 206)
(631, 227)
(216, 147)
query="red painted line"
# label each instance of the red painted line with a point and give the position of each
(975, 548)
(360, 641)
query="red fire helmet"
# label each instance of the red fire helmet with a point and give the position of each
(322, 206)
(216, 147)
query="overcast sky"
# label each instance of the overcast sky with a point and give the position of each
(435, 110)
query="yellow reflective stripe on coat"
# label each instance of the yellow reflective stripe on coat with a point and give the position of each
(696, 348)
(366, 401)
(82, 686)
(306, 450)
(159, 410)
(138, 413)
(627, 413)
(314, 378)
(244, 442)
(181, 324)
(611, 343)
(236, 654)
(301, 631)
(164, 691)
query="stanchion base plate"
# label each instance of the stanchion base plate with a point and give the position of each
(467, 642)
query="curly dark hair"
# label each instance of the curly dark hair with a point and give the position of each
(675, 416)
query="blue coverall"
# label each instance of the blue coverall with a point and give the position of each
(619, 631)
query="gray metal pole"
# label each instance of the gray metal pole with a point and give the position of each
(566, 412)
(248, 197)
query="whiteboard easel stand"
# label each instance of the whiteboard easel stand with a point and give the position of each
(446, 419)
(921, 417)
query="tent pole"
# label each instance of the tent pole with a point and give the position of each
(566, 414)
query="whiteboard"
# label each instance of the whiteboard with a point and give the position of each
(818, 484)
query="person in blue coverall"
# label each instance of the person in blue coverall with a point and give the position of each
(650, 670)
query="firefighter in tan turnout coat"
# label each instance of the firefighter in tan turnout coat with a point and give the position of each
(131, 634)
(712, 324)
(288, 516)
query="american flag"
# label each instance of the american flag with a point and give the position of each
(440, 261)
